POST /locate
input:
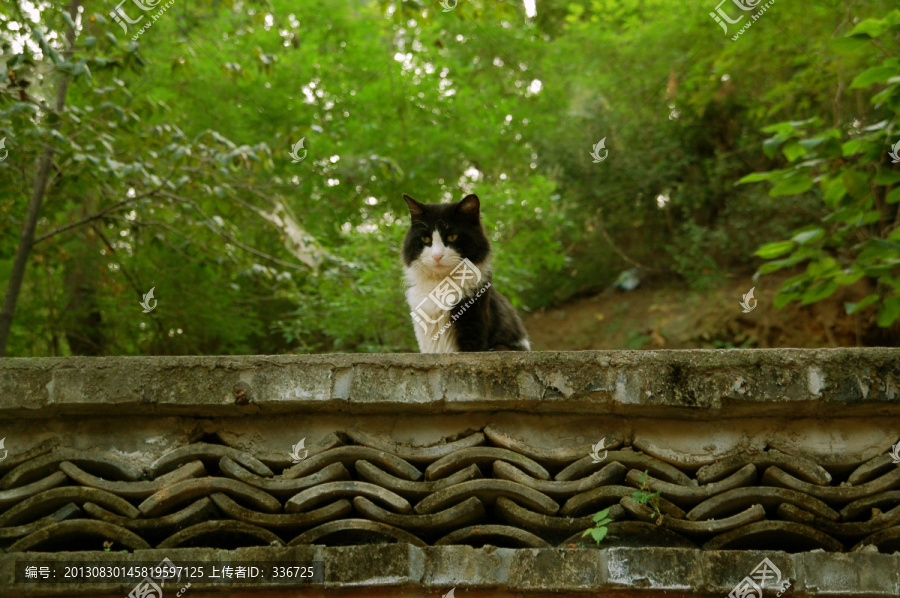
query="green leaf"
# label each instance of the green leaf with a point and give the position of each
(893, 196)
(819, 291)
(793, 150)
(755, 177)
(599, 533)
(887, 177)
(773, 250)
(834, 191)
(810, 235)
(851, 277)
(112, 38)
(792, 184)
(889, 311)
(857, 183)
(771, 144)
(848, 44)
(870, 27)
(601, 514)
(852, 308)
(850, 147)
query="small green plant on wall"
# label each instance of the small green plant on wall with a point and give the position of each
(645, 497)
(599, 531)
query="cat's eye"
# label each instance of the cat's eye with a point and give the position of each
(452, 238)
(426, 240)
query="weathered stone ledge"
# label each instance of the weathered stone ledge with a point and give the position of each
(406, 570)
(696, 384)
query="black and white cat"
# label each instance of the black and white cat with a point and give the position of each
(454, 306)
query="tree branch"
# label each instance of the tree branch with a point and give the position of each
(227, 236)
(102, 212)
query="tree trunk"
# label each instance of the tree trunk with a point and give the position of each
(26, 240)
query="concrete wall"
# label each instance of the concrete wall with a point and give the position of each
(773, 450)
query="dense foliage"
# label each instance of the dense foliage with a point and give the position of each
(170, 166)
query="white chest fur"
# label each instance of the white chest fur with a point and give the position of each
(429, 319)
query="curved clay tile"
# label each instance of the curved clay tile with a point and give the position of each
(142, 489)
(416, 454)
(70, 510)
(168, 498)
(58, 533)
(11, 497)
(39, 504)
(200, 510)
(832, 459)
(686, 526)
(481, 455)
(774, 535)
(351, 454)
(802, 467)
(14, 460)
(348, 531)
(556, 457)
(741, 498)
(281, 520)
(833, 494)
(283, 459)
(332, 490)
(214, 533)
(495, 535)
(634, 534)
(871, 469)
(681, 459)
(691, 495)
(552, 529)
(850, 529)
(611, 474)
(39, 467)
(465, 513)
(860, 507)
(887, 540)
(487, 492)
(413, 490)
(598, 498)
(660, 469)
(279, 487)
(210, 453)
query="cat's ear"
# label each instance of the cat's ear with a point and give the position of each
(469, 206)
(416, 209)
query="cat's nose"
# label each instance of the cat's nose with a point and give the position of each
(437, 258)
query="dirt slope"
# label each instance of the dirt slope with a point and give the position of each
(672, 318)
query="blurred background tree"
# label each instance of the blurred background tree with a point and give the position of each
(170, 166)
